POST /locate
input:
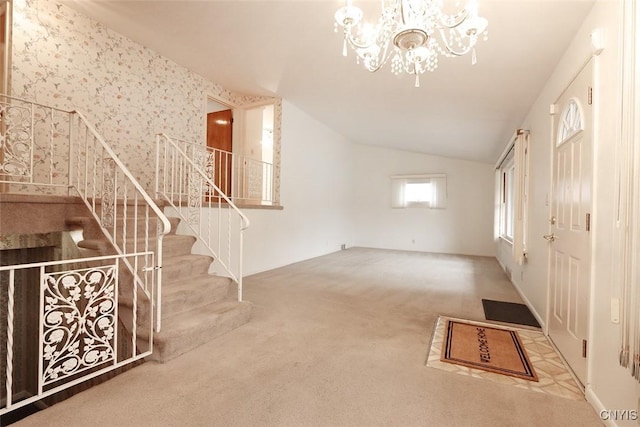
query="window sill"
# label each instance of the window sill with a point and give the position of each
(506, 240)
(241, 205)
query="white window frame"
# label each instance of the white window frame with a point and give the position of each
(512, 172)
(438, 188)
(507, 198)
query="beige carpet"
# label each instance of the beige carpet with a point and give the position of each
(339, 340)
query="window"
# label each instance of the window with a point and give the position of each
(571, 123)
(507, 172)
(418, 192)
(512, 173)
(427, 191)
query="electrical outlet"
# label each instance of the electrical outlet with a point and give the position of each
(343, 246)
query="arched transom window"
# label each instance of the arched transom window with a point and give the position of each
(571, 121)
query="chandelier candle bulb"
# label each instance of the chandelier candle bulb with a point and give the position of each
(413, 33)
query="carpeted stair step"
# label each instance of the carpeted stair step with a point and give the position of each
(183, 295)
(87, 224)
(100, 246)
(139, 226)
(194, 292)
(183, 266)
(176, 245)
(186, 331)
(78, 222)
(130, 207)
(172, 245)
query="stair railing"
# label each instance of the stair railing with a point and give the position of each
(77, 323)
(242, 178)
(209, 213)
(46, 150)
(126, 213)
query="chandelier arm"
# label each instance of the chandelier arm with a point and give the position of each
(404, 21)
(454, 21)
(383, 59)
(374, 69)
(451, 50)
(353, 41)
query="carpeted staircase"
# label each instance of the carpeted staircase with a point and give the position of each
(196, 306)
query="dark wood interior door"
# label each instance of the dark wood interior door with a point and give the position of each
(219, 136)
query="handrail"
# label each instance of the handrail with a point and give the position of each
(68, 261)
(48, 150)
(154, 207)
(111, 234)
(26, 101)
(239, 167)
(182, 178)
(207, 179)
(227, 153)
(39, 139)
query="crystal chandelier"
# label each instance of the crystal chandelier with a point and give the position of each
(412, 33)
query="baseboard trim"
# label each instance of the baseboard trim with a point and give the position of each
(595, 402)
(528, 303)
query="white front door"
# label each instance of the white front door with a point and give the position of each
(569, 242)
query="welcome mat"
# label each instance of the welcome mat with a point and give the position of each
(509, 312)
(487, 348)
(553, 376)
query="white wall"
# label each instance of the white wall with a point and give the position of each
(609, 386)
(464, 227)
(315, 192)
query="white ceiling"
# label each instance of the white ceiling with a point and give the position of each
(289, 49)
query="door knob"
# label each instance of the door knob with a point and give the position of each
(552, 221)
(550, 237)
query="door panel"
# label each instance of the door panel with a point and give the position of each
(570, 249)
(219, 136)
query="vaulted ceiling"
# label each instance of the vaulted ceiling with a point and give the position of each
(289, 49)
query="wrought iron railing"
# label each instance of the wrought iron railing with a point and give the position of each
(202, 205)
(45, 150)
(79, 333)
(243, 179)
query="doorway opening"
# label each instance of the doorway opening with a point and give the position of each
(240, 151)
(220, 145)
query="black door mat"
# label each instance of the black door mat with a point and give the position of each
(509, 312)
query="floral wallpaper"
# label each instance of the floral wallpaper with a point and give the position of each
(130, 93)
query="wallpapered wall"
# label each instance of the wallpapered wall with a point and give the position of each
(129, 92)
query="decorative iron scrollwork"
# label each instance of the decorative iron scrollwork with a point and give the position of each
(255, 180)
(195, 196)
(108, 192)
(15, 141)
(78, 321)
